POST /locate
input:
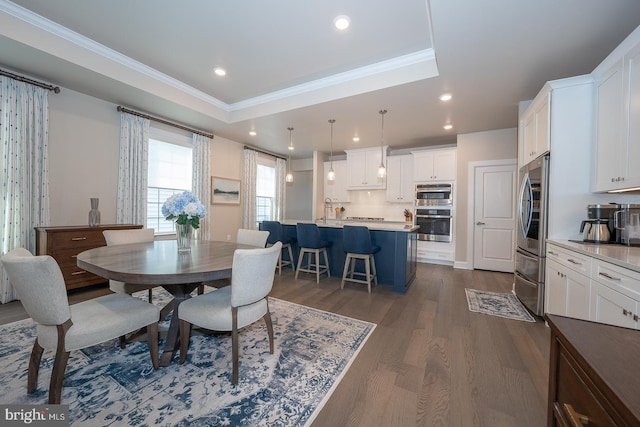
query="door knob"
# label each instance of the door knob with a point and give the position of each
(479, 223)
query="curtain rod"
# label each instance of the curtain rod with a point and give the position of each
(269, 153)
(166, 122)
(24, 79)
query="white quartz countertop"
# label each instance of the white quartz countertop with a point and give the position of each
(623, 256)
(371, 225)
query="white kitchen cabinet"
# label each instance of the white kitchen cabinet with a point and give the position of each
(612, 307)
(400, 179)
(434, 165)
(617, 118)
(336, 190)
(536, 129)
(362, 168)
(567, 287)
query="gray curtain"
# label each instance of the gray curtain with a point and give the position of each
(24, 180)
(249, 189)
(131, 204)
(201, 180)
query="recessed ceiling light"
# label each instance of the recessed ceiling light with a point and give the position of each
(252, 133)
(448, 126)
(220, 71)
(342, 22)
(356, 139)
(445, 97)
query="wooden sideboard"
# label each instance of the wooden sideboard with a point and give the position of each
(64, 243)
(593, 374)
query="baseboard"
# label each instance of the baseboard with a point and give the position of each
(463, 265)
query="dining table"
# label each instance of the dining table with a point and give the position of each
(160, 263)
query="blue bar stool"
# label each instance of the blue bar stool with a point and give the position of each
(357, 245)
(276, 234)
(311, 244)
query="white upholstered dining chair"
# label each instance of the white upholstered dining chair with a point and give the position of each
(39, 283)
(236, 306)
(257, 238)
(123, 237)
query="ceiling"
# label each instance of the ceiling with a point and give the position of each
(288, 66)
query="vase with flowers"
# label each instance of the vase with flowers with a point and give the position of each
(186, 210)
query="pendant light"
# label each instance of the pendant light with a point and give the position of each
(382, 171)
(289, 176)
(331, 176)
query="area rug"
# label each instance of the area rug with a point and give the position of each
(105, 385)
(497, 304)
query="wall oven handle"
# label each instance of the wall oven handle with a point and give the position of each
(434, 216)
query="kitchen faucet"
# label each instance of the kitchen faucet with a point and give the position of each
(328, 207)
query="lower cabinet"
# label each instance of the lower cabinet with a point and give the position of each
(590, 382)
(589, 288)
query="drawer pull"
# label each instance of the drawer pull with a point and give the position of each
(75, 273)
(608, 276)
(572, 261)
(577, 420)
(553, 253)
(76, 239)
(635, 317)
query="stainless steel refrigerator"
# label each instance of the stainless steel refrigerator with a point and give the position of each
(532, 233)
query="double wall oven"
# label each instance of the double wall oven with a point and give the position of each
(531, 234)
(433, 212)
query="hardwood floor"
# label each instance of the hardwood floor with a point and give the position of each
(430, 361)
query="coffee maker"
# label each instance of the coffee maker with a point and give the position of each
(597, 216)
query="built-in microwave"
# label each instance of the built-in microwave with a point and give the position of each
(434, 195)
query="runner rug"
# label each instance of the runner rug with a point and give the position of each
(497, 304)
(105, 385)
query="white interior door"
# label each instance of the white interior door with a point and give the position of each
(494, 217)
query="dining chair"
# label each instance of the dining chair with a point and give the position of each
(40, 286)
(123, 237)
(311, 243)
(244, 236)
(276, 234)
(358, 246)
(235, 306)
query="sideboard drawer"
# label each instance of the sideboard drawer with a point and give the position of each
(65, 243)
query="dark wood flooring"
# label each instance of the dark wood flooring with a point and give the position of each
(430, 361)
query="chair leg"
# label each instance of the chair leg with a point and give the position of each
(267, 320)
(185, 333)
(59, 365)
(291, 258)
(150, 296)
(316, 255)
(34, 367)
(123, 341)
(326, 260)
(280, 264)
(200, 289)
(367, 272)
(345, 271)
(373, 269)
(234, 344)
(300, 258)
(152, 339)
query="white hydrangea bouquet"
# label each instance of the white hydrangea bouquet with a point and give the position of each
(185, 208)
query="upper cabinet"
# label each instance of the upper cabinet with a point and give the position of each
(617, 117)
(400, 179)
(362, 168)
(434, 165)
(535, 128)
(336, 190)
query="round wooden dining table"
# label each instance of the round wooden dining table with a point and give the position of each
(160, 263)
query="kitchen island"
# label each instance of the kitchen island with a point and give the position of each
(395, 262)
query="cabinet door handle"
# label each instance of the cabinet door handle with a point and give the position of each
(572, 261)
(608, 276)
(479, 223)
(577, 419)
(75, 239)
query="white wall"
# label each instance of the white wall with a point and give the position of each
(84, 137)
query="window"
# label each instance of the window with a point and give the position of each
(169, 172)
(265, 190)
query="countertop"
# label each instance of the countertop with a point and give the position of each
(371, 225)
(623, 256)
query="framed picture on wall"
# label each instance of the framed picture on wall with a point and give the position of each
(225, 191)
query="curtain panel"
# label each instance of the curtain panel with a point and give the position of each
(131, 204)
(249, 189)
(201, 180)
(24, 179)
(281, 189)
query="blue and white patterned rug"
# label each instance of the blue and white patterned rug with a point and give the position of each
(107, 386)
(497, 304)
